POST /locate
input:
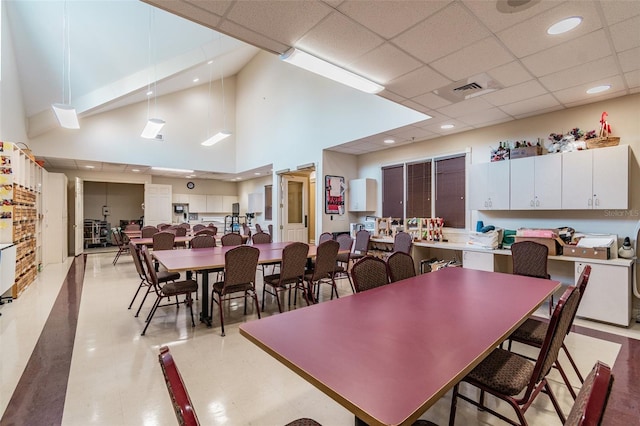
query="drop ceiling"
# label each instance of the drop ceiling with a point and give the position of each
(413, 48)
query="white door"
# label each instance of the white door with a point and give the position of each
(157, 204)
(78, 223)
(295, 193)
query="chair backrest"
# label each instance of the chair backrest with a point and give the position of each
(198, 227)
(362, 241)
(231, 239)
(325, 236)
(557, 329)
(294, 260)
(581, 284)
(132, 227)
(163, 240)
(258, 228)
(181, 231)
(326, 256)
(202, 241)
(369, 272)
(530, 259)
(345, 242)
(260, 238)
(185, 225)
(591, 402)
(402, 242)
(182, 405)
(163, 226)
(270, 226)
(117, 237)
(213, 227)
(240, 264)
(205, 231)
(400, 266)
(148, 231)
(246, 230)
(152, 277)
(135, 254)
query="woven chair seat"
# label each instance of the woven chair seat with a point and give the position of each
(164, 276)
(303, 422)
(217, 287)
(179, 287)
(343, 257)
(274, 280)
(532, 331)
(503, 371)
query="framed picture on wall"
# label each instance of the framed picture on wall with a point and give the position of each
(334, 188)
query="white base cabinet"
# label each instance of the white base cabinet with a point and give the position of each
(608, 294)
(477, 260)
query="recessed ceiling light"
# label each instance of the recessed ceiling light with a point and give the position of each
(150, 92)
(257, 173)
(447, 126)
(599, 89)
(389, 141)
(565, 25)
(195, 80)
(135, 170)
(169, 169)
(90, 167)
(210, 62)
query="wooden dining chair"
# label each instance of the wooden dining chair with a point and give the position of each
(591, 403)
(294, 260)
(240, 265)
(323, 270)
(369, 272)
(361, 246)
(513, 378)
(172, 289)
(148, 231)
(260, 238)
(400, 266)
(182, 405)
(402, 243)
(206, 231)
(163, 240)
(325, 236)
(343, 259)
(198, 227)
(202, 241)
(231, 239)
(533, 331)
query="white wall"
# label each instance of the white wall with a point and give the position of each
(252, 186)
(55, 221)
(624, 118)
(335, 164)
(123, 199)
(202, 186)
(13, 125)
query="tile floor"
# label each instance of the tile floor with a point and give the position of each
(114, 377)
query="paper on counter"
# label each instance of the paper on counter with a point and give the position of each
(591, 242)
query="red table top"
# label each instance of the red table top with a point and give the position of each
(213, 258)
(149, 240)
(390, 353)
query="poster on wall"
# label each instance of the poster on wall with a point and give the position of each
(334, 188)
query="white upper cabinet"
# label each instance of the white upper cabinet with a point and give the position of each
(536, 183)
(180, 198)
(362, 195)
(214, 204)
(197, 203)
(596, 178)
(489, 186)
(227, 203)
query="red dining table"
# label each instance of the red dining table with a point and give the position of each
(212, 259)
(388, 354)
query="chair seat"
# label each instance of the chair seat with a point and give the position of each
(164, 276)
(217, 287)
(274, 280)
(531, 331)
(343, 257)
(339, 269)
(357, 255)
(303, 422)
(503, 371)
(179, 287)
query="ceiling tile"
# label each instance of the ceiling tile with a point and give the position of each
(384, 64)
(486, 116)
(575, 52)
(460, 127)
(600, 68)
(416, 106)
(496, 21)
(539, 112)
(602, 97)
(431, 100)
(339, 39)
(218, 7)
(285, 22)
(417, 82)
(440, 34)
(533, 104)
(531, 36)
(517, 93)
(616, 11)
(411, 134)
(473, 59)
(579, 92)
(633, 78)
(630, 59)
(510, 74)
(251, 37)
(465, 107)
(391, 17)
(626, 34)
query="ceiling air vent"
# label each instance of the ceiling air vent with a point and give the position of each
(468, 88)
(159, 137)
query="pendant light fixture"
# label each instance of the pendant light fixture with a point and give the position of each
(65, 113)
(224, 133)
(154, 125)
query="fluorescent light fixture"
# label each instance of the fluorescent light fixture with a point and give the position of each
(135, 170)
(150, 92)
(216, 138)
(66, 115)
(447, 126)
(389, 141)
(565, 25)
(153, 127)
(195, 80)
(90, 167)
(325, 69)
(599, 89)
(257, 173)
(169, 169)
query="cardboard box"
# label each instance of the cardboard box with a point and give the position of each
(603, 253)
(553, 244)
(527, 151)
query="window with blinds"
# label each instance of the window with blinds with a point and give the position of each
(393, 191)
(449, 196)
(419, 189)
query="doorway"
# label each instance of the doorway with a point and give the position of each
(297, 208)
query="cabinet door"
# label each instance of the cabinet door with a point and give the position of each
(197, 203)
(477, 260)
(478, 181)
(227, 203)
(577, 177)
(522, 185)
(214, 204)
(180, 198)
(357, 195)
(548, 182)
(498, 185)
(611, 177)
(608, 294)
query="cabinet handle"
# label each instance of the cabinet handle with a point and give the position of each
(486, 204)
(531, 203)
(589, 202)
(597, 201)
(537, 203)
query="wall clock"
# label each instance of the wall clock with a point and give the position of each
(191, 185)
